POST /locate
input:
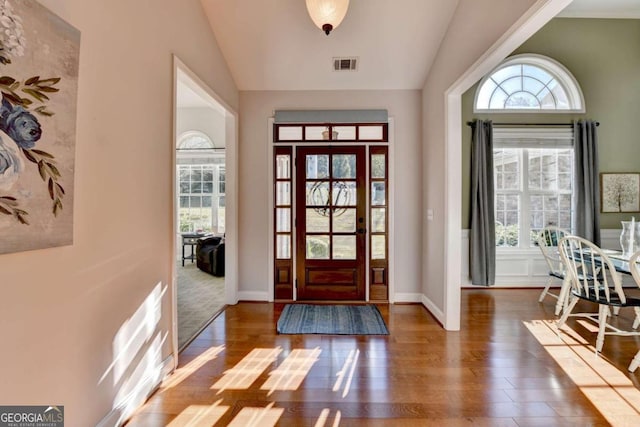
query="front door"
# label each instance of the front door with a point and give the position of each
(331, 223)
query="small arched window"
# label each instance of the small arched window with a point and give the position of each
(529, 83)
(195, 140)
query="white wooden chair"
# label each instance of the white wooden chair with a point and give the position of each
(547, 240)
(635, 272)
(593, 278)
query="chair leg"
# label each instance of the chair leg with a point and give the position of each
(545, 290)
(636, 322)
(634, 363)
(567, 311)
(616, 310)
(603, 312)
(563, 296)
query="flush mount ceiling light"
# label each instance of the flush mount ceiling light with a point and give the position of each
(327, 14)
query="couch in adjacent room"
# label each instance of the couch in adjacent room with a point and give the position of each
(210, 255)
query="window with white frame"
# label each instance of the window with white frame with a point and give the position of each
(529, 83)
(533, 180)
(201, 184)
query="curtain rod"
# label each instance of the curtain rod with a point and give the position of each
(531, 124)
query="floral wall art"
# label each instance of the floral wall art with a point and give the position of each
(39, 55)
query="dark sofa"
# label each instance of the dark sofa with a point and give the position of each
(210, 255)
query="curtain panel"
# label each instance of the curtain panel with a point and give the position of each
(482, 238)
(587, 183)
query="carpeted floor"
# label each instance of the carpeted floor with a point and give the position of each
(200, 297)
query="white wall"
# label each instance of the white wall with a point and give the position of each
(257, 107)
(64, 310)
(207, 120)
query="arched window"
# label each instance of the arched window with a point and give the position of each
(529, 83)
(195, 140)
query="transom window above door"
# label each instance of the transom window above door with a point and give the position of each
(529, 83)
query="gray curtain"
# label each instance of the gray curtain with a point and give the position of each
(587, 184)
(482, 240)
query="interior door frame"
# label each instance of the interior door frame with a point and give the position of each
(391, 297)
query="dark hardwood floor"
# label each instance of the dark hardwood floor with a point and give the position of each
(506, 367)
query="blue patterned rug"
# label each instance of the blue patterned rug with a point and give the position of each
(331, 320)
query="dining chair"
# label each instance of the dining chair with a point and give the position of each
(593, 278)
(634, 267)
(547, 241)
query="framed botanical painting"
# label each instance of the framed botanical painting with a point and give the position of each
(620, 192)
(39, 57)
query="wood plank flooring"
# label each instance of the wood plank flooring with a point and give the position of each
(506, 367)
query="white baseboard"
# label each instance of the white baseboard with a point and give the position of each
(433, 309)
(119, 415)
(253, 296)
(407, 297)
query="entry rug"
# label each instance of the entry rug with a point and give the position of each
(331, 320)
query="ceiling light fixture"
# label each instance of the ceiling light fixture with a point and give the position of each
(327, 14)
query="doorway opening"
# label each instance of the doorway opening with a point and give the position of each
(204, 267)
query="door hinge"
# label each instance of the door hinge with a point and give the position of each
(296, 283)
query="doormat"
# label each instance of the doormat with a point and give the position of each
(331, 320)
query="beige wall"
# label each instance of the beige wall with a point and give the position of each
(474, 28)
(61, 309)
(254, 181)
(604, 57)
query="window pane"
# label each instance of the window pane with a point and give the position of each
(344, 166)
(317, 166)
(498, 99)
(290, 133)
(537, 73)
(317, 193)
(378, 247)
(512, 85)
(344, 247)
(206, 201)
(372, 133)
(207, 187)
(196, 187)
(344, 193)
(344, 220)
(522, 100)
(317, 247)
(283, 193)
(532, 85)
(317, 221)
(507, 72)
(283, 246)
(283, 166)
(283, 219)
(378, 216)
(314, 133)
(378, 193)
(378, 166)
(184, 202)
(185, 187)
(207, 174)
(346, 132)
(195, 201)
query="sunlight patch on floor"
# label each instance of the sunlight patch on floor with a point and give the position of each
(292, 371)
(257, 417)
(247, 371)
(347, 371)
(184, 372)
(608, 389)
(200, 415)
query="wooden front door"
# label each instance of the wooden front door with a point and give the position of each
(331, 223)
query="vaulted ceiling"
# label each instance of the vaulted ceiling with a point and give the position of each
(274, 45)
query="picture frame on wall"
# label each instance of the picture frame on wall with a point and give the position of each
(620, 192)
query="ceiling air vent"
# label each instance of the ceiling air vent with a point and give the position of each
(345, 64)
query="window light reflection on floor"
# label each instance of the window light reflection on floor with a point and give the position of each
(200, 415)
(608, 389)
(185, 371)
(257, 417)
(248, 370)
(290, 374)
